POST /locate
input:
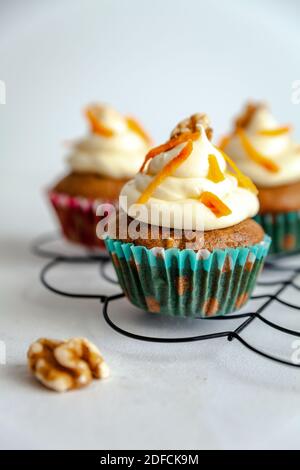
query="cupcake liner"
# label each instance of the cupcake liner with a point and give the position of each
(186, 283)
(78, 219)
(283, 228)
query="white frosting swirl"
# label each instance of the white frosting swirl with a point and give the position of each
(180, 192)
(118, 156)
(280, 149)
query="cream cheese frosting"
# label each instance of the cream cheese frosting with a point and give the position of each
(278, 148)
(117, 153)
(179, 193)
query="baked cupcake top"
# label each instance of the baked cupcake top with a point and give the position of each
(189, 183)
(263, 148)
(115, 146)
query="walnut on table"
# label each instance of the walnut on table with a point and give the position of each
(66, 365)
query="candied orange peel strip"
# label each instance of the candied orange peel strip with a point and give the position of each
(136, 127)
(215, 204)
(97, 127)
(165, 172)
(275, 132)
(256, 156)
(169, 145)
(224, 141)
(243, 180)
(214, 172)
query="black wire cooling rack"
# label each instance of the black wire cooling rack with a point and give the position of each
(288, 275)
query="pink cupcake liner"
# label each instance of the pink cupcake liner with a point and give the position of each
(78, 219)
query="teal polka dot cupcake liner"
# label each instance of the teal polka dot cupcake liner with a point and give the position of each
(283, 228)
(185, 283)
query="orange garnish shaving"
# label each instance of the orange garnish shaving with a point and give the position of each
(243, 180)
(97, 127)
(169, 146)
(256, 156)
(165, 172)
(274, 132)
(136, 127)
(214, 172)
(215, 204)
(224, 141)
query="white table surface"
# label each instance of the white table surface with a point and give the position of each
(213, 394)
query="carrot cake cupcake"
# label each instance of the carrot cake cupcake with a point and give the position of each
(190, 247)
(267, 153)
(99, 166)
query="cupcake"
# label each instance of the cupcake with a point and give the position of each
(267, 153)
(99, 166)
(184, 243)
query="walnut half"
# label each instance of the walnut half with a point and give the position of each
(244, 119)
(66, 365)
(192, 124)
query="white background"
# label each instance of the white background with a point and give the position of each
(160, 60)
